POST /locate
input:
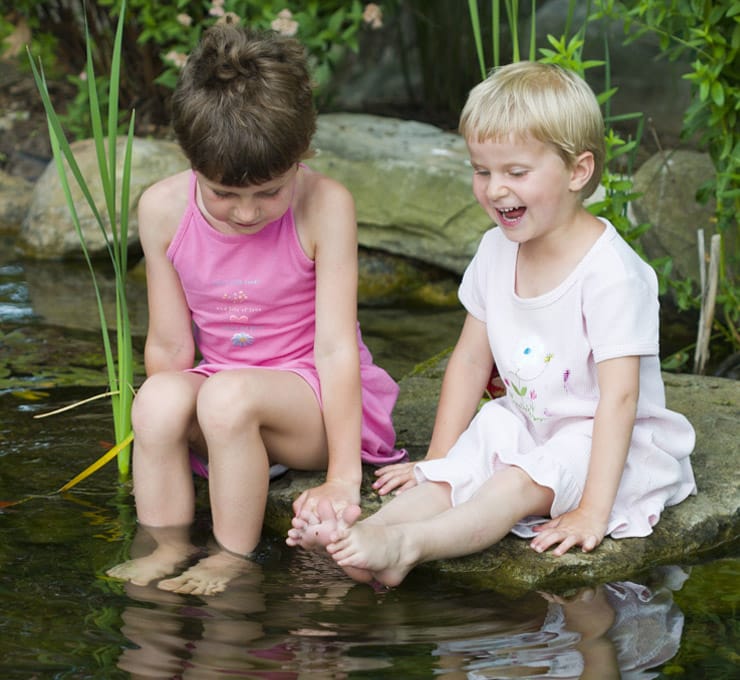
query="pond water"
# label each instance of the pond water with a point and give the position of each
(294, 615)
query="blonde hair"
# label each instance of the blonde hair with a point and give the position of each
(547, 102)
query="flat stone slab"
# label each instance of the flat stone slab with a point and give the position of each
(702, 526)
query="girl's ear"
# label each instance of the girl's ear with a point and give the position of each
(581, 172)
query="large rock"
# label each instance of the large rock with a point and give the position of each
(411, 182)
(15, 199)
(702, 525)
(668, 182)
(48, 232)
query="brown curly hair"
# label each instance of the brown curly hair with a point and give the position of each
(243, 109)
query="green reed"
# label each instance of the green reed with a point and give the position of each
(113, 223)
(512, 18)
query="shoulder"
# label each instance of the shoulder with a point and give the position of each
(161, 208)
(616, 260)
(167, 192)
(324, 210)
(316, 193)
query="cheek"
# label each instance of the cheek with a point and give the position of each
(216, 208)
(479, 191)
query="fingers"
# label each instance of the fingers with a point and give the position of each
(398, 477)
(563, 540)
(299, 502)
(550, 524)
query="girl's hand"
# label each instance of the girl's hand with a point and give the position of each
(577, 527)
(399, 476)
(339, 493)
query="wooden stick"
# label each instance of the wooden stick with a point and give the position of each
(702, 297)
(709, 303)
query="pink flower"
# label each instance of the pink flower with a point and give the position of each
(532, 395)
(184, 19)
(177, 58)
(285, 24)
(373, 15)
(216, 10)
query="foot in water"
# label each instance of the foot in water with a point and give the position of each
(163, 561)
(367, 552)
(315, 530)
(209, 576)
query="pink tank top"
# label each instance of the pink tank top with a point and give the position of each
(253, 302)
(252, 296)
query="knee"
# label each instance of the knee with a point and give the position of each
(539, 498)
(226, 403)
(162, 399)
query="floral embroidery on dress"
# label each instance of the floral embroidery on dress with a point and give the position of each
(530, 360)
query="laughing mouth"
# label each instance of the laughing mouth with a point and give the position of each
(511, 216)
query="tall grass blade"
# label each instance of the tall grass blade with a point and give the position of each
(105, 458)
(119, 368)
(533, 33)
(496, 32)
(475, 22)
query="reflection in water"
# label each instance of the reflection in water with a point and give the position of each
(617, 630)
(308, 621)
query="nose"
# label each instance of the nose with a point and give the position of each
(246, 210)
(495, 188)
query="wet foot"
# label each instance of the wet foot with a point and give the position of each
(209, 576)
(368, 552)
(141, 571)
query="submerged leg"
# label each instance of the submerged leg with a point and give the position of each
(249, 418)
(163, 417)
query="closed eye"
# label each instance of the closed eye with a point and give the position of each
(271, 193)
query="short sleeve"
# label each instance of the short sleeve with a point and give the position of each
(472, 290)
(620, 306)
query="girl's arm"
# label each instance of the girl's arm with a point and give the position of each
(466, 376)
(169, 340)
(329, 216)
(619, 389)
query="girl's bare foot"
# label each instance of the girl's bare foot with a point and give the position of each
(209, 576)
(367, 551)
(164, 560)
(316, 530)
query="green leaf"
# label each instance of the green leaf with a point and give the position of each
(718, 93)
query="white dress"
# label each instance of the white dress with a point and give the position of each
(546, 350)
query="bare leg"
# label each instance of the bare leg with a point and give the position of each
(390, 551)
(317, 532)
(249, 419)
(163, 418)
(314, 531)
